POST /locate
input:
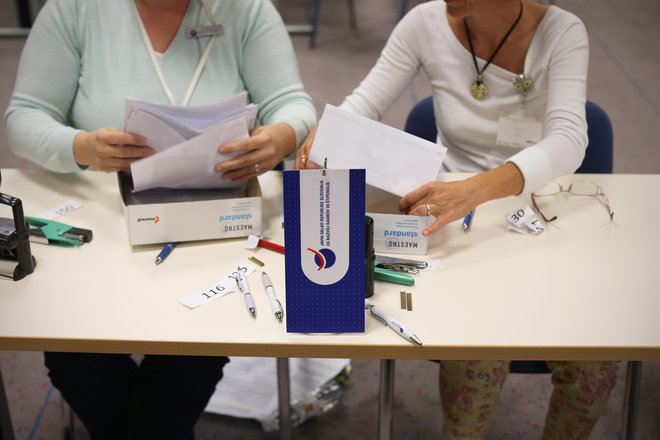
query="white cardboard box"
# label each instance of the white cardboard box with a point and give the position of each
(395, 233)
(163, 215)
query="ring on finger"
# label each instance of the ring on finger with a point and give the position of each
(303, 161)
(257, 168)
(428, 209)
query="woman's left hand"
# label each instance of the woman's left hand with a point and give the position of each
(450, 201)
(267, 146)
(446, 201)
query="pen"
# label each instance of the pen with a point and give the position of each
(165, 252)
(274, 302)
(467, 221)
(247, 295)
(377, 313)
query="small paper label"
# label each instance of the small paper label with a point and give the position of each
(219, 289)
(524, 221)
(62, 210)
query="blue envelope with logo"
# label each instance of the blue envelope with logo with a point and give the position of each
(324, 236)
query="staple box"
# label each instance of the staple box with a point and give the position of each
(164, 215)
(395, 233)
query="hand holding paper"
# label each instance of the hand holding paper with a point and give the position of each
(190, 164)
(186, 140)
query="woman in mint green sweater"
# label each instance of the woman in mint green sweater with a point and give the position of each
(81, 60)
(84, 57)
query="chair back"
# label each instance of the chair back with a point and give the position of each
(598, 157)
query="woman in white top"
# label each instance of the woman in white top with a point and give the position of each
(498, 69)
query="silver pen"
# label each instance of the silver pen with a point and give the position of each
(377, 313)
(274, 302)
(247, 295)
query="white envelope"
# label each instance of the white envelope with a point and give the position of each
(186, 141)
(191, 164)
(396, 161)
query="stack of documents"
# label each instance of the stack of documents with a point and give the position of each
(396, 161)
(186, 140)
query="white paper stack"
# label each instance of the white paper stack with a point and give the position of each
(396, 161)
(186, 140)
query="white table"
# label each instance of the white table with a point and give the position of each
(584, 289)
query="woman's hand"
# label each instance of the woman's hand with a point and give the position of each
(450, 201)
(302, 156)
(108, 149)
(446, 201)
(267, 146)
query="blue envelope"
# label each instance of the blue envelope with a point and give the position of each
(324, 236)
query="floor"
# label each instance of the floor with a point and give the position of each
(625, 66)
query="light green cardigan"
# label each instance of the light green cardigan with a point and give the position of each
(84, 57)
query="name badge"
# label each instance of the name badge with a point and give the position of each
(205, 31)
(518, 131)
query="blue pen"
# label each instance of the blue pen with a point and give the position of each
(467, 221)
(165, 252)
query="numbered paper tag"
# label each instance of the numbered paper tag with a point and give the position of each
(524, 221)
(60, 211)
(221, 288)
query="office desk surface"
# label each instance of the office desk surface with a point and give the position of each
(584, 289)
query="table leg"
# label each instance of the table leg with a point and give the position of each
(630, 399)
(6, 430)
(284, 397)
(385, 399)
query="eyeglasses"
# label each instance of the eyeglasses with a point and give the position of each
(579, 188)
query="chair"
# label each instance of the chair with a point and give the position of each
(598, 159)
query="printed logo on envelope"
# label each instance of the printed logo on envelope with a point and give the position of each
(322, 211)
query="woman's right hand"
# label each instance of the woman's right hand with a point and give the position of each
(109, 150)
(302, 155)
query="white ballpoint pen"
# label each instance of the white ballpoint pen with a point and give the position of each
(274, 302)
(247, 295)
(377, 313)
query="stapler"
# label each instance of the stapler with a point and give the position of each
(16, 260)
(390, 276)
(55, 233)
(397, 270)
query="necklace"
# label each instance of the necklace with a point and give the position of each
(478, 88)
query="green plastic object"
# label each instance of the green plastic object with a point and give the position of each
(389, 276)
(57, 234)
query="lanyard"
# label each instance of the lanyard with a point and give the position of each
(198, 69)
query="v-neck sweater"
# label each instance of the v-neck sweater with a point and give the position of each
(84, 57)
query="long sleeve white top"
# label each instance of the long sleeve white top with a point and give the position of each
(557, 61)
(84, 57)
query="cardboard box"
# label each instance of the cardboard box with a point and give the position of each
(395, 233)
(168, 215)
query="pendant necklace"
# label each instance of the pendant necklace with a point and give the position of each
(478, 88)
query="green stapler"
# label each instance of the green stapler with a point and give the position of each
(55, 233)
(391, 276)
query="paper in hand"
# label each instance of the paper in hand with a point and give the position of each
(396, 161)
(186, 140)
